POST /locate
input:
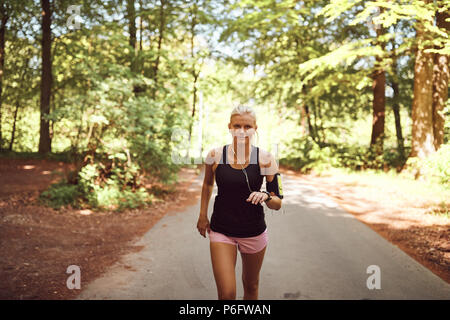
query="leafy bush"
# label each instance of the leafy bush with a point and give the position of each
(362, 157)
(393, 158)
(354, 157)
(435, 167)
(60, 194)
(113, 184)
(308, 155)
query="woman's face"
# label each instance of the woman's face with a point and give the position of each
(242, 127)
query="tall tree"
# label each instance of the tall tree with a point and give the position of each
(4, 16)
(161, 29)
(396, 105)
(379, 97)
(440, 83)
(422, 138)
(140, 25)
(131, 15)
(46, 77)
(195, 72)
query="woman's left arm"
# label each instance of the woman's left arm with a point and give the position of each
(275, 202)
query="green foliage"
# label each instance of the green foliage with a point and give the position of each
(363, 158)
(359, 157)
(113, 185)
(446, 113)
(101, 188)
(394, 159)
(308, 155)
(61, 194)
(435, 167)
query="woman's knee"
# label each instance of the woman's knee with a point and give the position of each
(250, 286)
(227, 294)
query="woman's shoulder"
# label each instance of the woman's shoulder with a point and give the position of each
(267, 162)
(264, 156)
(214, 155)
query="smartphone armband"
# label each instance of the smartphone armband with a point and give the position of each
(275, 185)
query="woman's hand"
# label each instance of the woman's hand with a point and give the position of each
(203, 225)
(257, 197)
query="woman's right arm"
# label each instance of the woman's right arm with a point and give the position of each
(207, 189)
(208, 185)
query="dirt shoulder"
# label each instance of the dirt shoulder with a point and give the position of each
(39, 243)
(398, 215)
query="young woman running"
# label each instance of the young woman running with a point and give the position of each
(237, 221)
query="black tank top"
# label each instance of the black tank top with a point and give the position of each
(232, 214)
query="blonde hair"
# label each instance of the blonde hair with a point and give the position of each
(241, 109)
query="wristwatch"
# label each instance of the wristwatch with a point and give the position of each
(269, 198)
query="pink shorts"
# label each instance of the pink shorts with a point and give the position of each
(245, 245)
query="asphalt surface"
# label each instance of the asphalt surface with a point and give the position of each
(316, 250)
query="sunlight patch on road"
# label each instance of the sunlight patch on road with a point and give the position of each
(85, 212)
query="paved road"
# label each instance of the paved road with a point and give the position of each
(316, 251)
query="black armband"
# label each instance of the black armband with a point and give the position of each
(275, 185)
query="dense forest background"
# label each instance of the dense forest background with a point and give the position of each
(131, 88)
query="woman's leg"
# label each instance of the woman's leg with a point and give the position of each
(223, 258)
(251, 265)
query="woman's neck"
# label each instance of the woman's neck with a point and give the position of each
(240, 152)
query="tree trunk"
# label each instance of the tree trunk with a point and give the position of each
(4, 20)
(131, 14)
(162, 22)
(396, 108)
(316, 136)
(13, 132)
(379, 101)
(140, 25)
(303, 120)
(195, 74)
(422, 139)
(320, 126)
(310, 126)
(440, 85)
(46, 78)
(398, 125)
(379, 105)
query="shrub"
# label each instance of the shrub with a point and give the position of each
(60, 194)
(354, 157)
(435, 167)
(308, 155)
(113, 184)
